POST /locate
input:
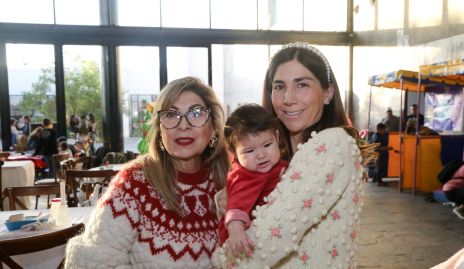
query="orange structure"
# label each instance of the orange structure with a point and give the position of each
(416, 159)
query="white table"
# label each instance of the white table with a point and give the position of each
(115, 167)
(16, 174)
(49, 258)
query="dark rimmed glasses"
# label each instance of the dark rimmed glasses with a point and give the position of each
(196, 117)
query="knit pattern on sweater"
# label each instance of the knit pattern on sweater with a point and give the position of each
(311, 219)
(132, 227)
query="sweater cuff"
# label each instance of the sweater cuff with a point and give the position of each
(237, 214)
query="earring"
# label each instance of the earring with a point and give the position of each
(326, 102)
(213, 141)
(161, 145)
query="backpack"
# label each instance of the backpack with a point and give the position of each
(448, 170)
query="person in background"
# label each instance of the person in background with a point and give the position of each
(381, 165)
(256, 169)
(311, 218)
(83, 137)
(74, 125)
(33, 138)
(411, 120)
(79, 149)
(26, 125)
(63, 148)
(47, 145)
(454, 191)
(91, 127)
(159, 212)
(14, 132)
(392, 122)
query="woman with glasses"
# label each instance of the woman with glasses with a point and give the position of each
(159, 211)
(311, 218)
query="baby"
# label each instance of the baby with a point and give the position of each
(252, 136)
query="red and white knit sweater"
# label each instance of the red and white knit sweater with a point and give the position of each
(132, 228)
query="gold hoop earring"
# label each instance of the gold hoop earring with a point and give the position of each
(161, 145)
(213, 141)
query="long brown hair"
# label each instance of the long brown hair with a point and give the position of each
(333, 114)
(158, 165)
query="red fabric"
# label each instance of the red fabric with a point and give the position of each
(237, 214)
(38, 160)
(130, 195)
(457, 181)
(246, 190)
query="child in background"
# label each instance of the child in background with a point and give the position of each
(252, 136)
(63, 148)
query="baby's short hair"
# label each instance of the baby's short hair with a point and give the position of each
(248, 119)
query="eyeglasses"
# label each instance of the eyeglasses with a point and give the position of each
(196, 117)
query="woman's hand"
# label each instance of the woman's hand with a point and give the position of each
(238, 242)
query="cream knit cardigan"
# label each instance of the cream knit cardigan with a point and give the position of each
(311, 219)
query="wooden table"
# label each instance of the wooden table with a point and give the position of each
(16, 174)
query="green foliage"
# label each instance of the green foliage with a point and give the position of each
(142, 145)
(82, 93)
(83, 88)
(38, 102)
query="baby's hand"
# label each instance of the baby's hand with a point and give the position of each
(238, 242)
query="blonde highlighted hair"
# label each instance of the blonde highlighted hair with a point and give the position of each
(158, 165)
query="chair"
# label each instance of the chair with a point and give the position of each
(118, 157)
(30, 244)
(56, 160)
(12, 193)
(78, 163)
(74, 177)
(57, 174)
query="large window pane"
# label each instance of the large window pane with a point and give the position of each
(82, 84)
(224, 14)
(391, 14)
(363, 15)
(31, 81)
(316, 14)
(338, 57)
(423, 13)
(366, 64)
(238, 73)
(26, 11)
(456, 11)
(138, 13)
(237, 80)
(139, 83)
(185, 13)
(183, 62)
(280, 15)
(77, 12)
